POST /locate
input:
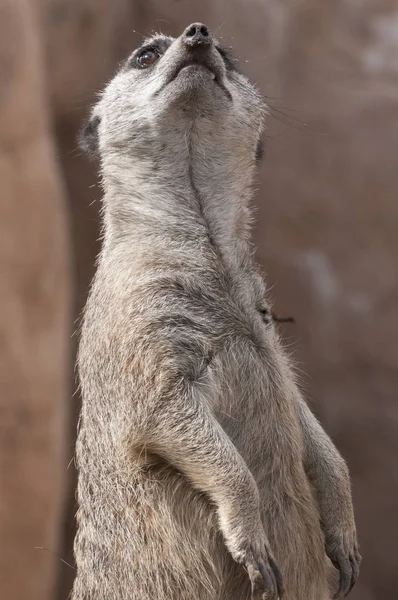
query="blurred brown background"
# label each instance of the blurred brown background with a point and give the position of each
(327, 235)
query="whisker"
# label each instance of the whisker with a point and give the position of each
(55, 554)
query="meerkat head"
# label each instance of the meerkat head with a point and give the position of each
(168, 86)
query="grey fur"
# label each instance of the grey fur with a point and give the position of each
(198, 458)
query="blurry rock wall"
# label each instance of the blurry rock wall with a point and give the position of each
(327, 231)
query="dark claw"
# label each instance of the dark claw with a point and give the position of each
(278, 577)
(349, 570)
(344, 565)
(270, 583)
(266, 581)
(354, 573)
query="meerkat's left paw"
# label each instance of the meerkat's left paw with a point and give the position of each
(266, 580)
(345, 556)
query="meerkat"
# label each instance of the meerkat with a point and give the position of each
(203, 475)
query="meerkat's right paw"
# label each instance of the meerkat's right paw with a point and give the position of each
(344, 553)
(264, 573)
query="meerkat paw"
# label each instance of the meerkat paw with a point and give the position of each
(343, 551)
(264, 573)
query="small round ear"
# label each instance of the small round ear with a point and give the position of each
(88, 137)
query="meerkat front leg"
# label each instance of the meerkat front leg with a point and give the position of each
(192, 440)
(329, 475)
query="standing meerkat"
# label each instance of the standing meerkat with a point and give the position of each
(203, 475)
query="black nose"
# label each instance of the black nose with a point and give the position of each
(196, 34)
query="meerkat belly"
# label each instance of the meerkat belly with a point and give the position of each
(255, 408)
(257, 412)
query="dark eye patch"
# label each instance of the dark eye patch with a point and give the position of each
(146, 58)
(158, 45)
(230, 63)
(133, 61)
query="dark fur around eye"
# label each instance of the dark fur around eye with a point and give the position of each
(133, 61)
(143, 63)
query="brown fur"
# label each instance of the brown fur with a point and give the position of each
(200, 467)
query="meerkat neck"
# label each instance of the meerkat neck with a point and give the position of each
(179, 189)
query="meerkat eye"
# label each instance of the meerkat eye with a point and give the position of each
(146, 58)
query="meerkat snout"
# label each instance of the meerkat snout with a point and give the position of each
(197, 34)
